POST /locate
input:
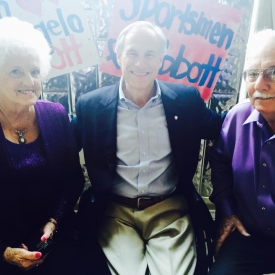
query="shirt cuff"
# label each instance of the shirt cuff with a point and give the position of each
(225, 208)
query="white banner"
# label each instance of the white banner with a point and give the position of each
(64, 24)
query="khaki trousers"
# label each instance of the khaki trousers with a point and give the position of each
(159, 237)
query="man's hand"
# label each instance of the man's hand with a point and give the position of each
(228, 225)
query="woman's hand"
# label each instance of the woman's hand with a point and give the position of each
(48, 230)
(23, 258)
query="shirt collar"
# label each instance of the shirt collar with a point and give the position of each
(122, 95)
(255, 116)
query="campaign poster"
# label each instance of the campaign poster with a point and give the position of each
(199, 35)
(65, 26)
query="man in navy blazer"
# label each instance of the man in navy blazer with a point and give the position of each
(141, 141)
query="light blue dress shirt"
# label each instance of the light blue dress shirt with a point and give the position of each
(145, 165)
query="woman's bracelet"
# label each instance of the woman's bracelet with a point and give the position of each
(53, 222)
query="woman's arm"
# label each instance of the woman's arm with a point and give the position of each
(73, 178)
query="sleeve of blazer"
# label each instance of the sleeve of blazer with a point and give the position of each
(77, 122)
(207, 122)
(210, 122)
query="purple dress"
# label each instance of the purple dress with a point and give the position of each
(38, 180)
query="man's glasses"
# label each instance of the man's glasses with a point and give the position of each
(251, 75)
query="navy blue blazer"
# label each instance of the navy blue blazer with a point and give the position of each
(96, 133)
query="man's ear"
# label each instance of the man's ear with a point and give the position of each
(118, 58)
(161, 61)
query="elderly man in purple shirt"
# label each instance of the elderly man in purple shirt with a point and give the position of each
(243, 173)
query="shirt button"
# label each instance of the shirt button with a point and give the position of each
(142, 191)
(263, 208)
(144, 170)
(264, 164)
(268, 142)
(144, 153)
(268, 228)
(264, 186)
(142, 132)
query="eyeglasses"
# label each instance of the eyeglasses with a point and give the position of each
(251, 75)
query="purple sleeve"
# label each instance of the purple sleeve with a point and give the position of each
(74, 179)
(222, 178)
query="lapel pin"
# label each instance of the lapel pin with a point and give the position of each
(176, 117)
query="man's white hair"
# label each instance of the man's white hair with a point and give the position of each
(257, 40)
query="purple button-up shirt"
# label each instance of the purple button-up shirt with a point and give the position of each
(243, 170)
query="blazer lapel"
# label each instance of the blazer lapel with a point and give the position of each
(107, 119)
(176, 114)
(177, 117)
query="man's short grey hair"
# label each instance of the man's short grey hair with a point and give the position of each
(257, 40)
(20, 37)
(138, 25)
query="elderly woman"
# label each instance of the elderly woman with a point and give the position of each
(40, 175)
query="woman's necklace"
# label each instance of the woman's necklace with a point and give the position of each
(20, 133)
